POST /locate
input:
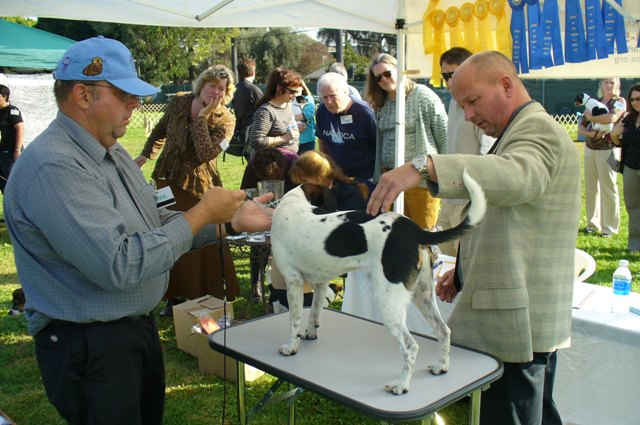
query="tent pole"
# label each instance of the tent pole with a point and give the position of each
(398, 206)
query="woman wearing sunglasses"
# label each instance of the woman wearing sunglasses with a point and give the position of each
(274, 125)
(627, 134)
(425, 131)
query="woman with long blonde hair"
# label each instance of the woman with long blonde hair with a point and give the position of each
(425, 131)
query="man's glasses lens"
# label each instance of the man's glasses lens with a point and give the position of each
(446, 75)
(386, 74)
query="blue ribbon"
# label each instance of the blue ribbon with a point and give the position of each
(575, 45)
(535, 34)
(614, 28)
(551, 35)
(519, 37)
(596, 43)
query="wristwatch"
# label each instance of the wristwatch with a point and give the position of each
(420, 164)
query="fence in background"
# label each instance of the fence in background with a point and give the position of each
(147, 116)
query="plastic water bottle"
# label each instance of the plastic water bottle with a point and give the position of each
(621, 288)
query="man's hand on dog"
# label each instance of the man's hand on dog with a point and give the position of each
(445, 287)
(391, 184)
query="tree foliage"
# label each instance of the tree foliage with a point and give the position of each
(27, 22)
(281, 47)
(163, 55)
(360, 47)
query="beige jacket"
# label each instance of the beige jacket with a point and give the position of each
(517, 266)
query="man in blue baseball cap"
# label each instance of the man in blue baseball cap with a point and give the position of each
(92, 247)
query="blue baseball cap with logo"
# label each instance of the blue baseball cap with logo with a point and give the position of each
(102, 59)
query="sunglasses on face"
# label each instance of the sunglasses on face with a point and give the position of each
(120, 94)
(446, 75)
(293, 91)
(386, 74)
(634, 99)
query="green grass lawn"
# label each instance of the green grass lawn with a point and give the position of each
(196, 398)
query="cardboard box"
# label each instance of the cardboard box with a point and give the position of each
(187, 315)
(212, 361)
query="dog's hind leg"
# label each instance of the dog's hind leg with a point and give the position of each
(393, 301)
(295, 297)
(425, 299)
(313, 326)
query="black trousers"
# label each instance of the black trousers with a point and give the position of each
(523, 395)
(6, 163)
(103, 372)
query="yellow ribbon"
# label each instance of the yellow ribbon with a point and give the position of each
(485, 38)
(438, 19)
(455, 34)
(427, 27)
(503, 31)
(470, 36)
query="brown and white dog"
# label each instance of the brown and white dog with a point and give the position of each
(314, 245)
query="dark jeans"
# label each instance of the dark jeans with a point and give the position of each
(6, 163)
(103, 373)
(523, 395)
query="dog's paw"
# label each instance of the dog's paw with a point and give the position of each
(288, 350)
(438, 368)
(396, 388)
(311, 334)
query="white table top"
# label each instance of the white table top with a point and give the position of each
(353, 360)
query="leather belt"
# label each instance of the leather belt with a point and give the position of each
(59, 322)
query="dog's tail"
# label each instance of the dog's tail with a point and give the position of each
(475, 214)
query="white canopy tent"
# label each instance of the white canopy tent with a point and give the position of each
(402, 17)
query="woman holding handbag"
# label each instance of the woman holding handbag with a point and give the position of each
(627, 135)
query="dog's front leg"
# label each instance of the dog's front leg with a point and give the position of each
(313, 326)
(295, 297)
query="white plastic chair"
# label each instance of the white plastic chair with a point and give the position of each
(585, 265)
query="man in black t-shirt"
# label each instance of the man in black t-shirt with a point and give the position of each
(11, 135)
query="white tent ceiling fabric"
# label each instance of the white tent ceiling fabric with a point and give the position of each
(365, 15)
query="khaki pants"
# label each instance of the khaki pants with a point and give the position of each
(421, 207)
(450, 216)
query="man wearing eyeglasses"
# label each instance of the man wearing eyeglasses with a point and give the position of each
(346, 128)
(462, 137)
(93, 249)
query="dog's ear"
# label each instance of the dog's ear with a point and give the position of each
(328, 200)
(319, 196)
(578, 100)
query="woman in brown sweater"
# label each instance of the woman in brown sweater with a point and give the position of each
(188, 140)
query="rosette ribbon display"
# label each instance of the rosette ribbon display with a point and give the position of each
(596, 42)
(503, 32)
(551, 40)
(518, 34)
(470, 35)
(614, 29)
(575, 45)
(485, 38)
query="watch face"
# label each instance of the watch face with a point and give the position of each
(419, 163)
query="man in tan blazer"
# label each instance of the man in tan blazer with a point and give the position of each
(516, 268)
